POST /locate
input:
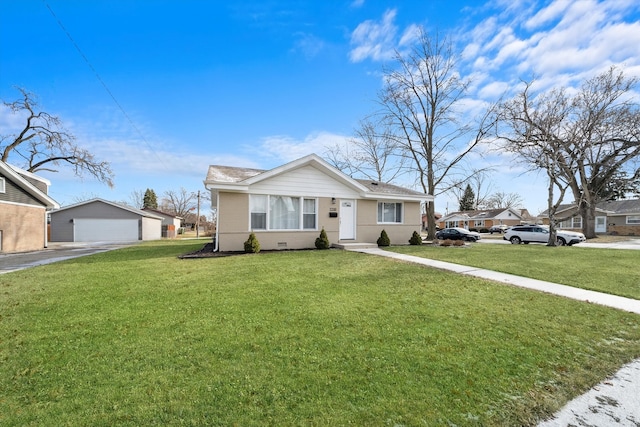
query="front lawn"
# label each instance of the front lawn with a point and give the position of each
(138, 337)
(604, 270)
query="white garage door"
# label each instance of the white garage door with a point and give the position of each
(101, 230)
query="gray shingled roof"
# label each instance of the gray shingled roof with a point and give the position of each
(231, 174)
(615, 206)
(381, 187)
(621, 206)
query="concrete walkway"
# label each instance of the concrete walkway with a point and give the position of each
(613, 402)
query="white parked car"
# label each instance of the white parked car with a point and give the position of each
(540, 234)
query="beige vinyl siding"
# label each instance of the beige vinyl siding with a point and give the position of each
(306, 181)
(368, 229)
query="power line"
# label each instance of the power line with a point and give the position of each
(104, 85)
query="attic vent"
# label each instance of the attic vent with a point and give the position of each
(374, 183)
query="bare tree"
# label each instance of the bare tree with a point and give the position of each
(136, 199)
(502, 200)
(481, 188)
(179, 203)
(372, 153)
(582, 140)
(419, 101)
(528, 128)
(43, 143)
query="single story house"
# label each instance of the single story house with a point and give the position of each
(99, 220)
(170, 223)
(617, 217)
(287, 207)
(24, 203)
(485, 218)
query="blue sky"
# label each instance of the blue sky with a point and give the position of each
(165, 88)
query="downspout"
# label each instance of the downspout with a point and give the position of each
(215, 246)
(46, 228)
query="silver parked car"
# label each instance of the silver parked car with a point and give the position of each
(540, 234)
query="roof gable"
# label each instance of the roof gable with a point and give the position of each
(15, 175)
(288, 179)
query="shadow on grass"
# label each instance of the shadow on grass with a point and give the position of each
(142, 252)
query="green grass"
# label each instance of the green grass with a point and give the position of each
(138, 337)
(604, 270)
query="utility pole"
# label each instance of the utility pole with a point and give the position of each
(198, 217)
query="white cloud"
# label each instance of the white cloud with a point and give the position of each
(547, 14)
(493, 90)
(285, 148)
(374, 39)
(308, 44)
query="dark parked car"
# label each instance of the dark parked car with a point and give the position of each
(457, 233)
(498, 229)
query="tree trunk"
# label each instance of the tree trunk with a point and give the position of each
(588, 213)
(431, 221)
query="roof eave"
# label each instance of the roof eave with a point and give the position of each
(391, 196)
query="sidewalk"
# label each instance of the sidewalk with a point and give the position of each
(613, 402)
(622, 303)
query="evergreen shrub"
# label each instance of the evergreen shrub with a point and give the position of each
(322, 242)
(415, 239)
(251, 245)
(383, 240)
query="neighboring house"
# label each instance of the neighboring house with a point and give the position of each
(170, 223)
(99, 220)
(425, 219)
(286, 207)
(24, 203)
(485, 218)
(621, 217)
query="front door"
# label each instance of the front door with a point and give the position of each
(601, 224)
(347, 219)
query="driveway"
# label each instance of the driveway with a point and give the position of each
(56, 252)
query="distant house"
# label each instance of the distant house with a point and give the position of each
(170, 223)
(24, 203)
(286, 207)
(618, 217)
(99, 220)
(425, 219)
(486, 218)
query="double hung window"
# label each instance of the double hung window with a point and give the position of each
(389, 212)
(269, 212)
(633, 219)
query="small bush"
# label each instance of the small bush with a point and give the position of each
(483, 230)
(322, 242)
(251, 245)
(383, 240)
(415, 239)
(447, 242)
(458, 243)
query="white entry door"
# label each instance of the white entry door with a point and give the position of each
(347, 219)
(601, 224)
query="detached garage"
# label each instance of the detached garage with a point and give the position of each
(99, 220)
